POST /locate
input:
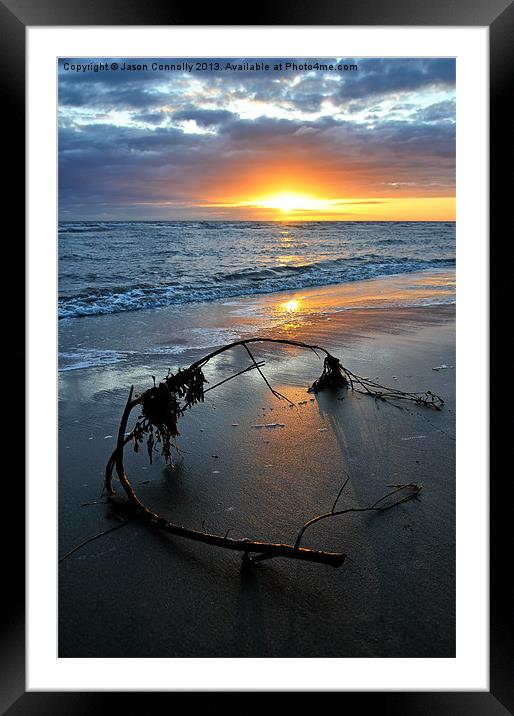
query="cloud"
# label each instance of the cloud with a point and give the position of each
(204, 117)
(379, 77)
(440, 111)
(303, 90)
(184, 139)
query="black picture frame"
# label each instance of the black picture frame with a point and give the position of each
(15, 17)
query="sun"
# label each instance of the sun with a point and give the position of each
(289, 201)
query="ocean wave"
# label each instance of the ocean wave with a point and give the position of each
(243, 282)
(84, 228)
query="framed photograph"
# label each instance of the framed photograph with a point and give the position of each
(257, 376)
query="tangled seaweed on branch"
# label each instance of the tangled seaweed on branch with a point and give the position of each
(333, 377)
(381, 392)
(162, 405)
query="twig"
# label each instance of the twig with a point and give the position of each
(245, 370)
(275, 392)
(340, 492)
(416, 489)
(90, 539)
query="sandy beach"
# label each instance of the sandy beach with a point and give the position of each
(135, 592)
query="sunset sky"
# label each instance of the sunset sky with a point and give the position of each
(377, 143)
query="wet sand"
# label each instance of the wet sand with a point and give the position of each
(138, 593)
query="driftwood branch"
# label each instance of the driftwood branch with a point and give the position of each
(246, 546)
(163, 405)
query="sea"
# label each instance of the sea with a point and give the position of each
(118, 267)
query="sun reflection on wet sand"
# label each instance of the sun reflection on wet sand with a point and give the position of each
(291, 306)
(289, 314)
(391, 292)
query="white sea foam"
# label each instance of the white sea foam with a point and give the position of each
(90, 358)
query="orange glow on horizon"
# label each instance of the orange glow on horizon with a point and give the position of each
(283, 188)
(295, 206)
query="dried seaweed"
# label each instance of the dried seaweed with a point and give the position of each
(333, 376)
(161, 409)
